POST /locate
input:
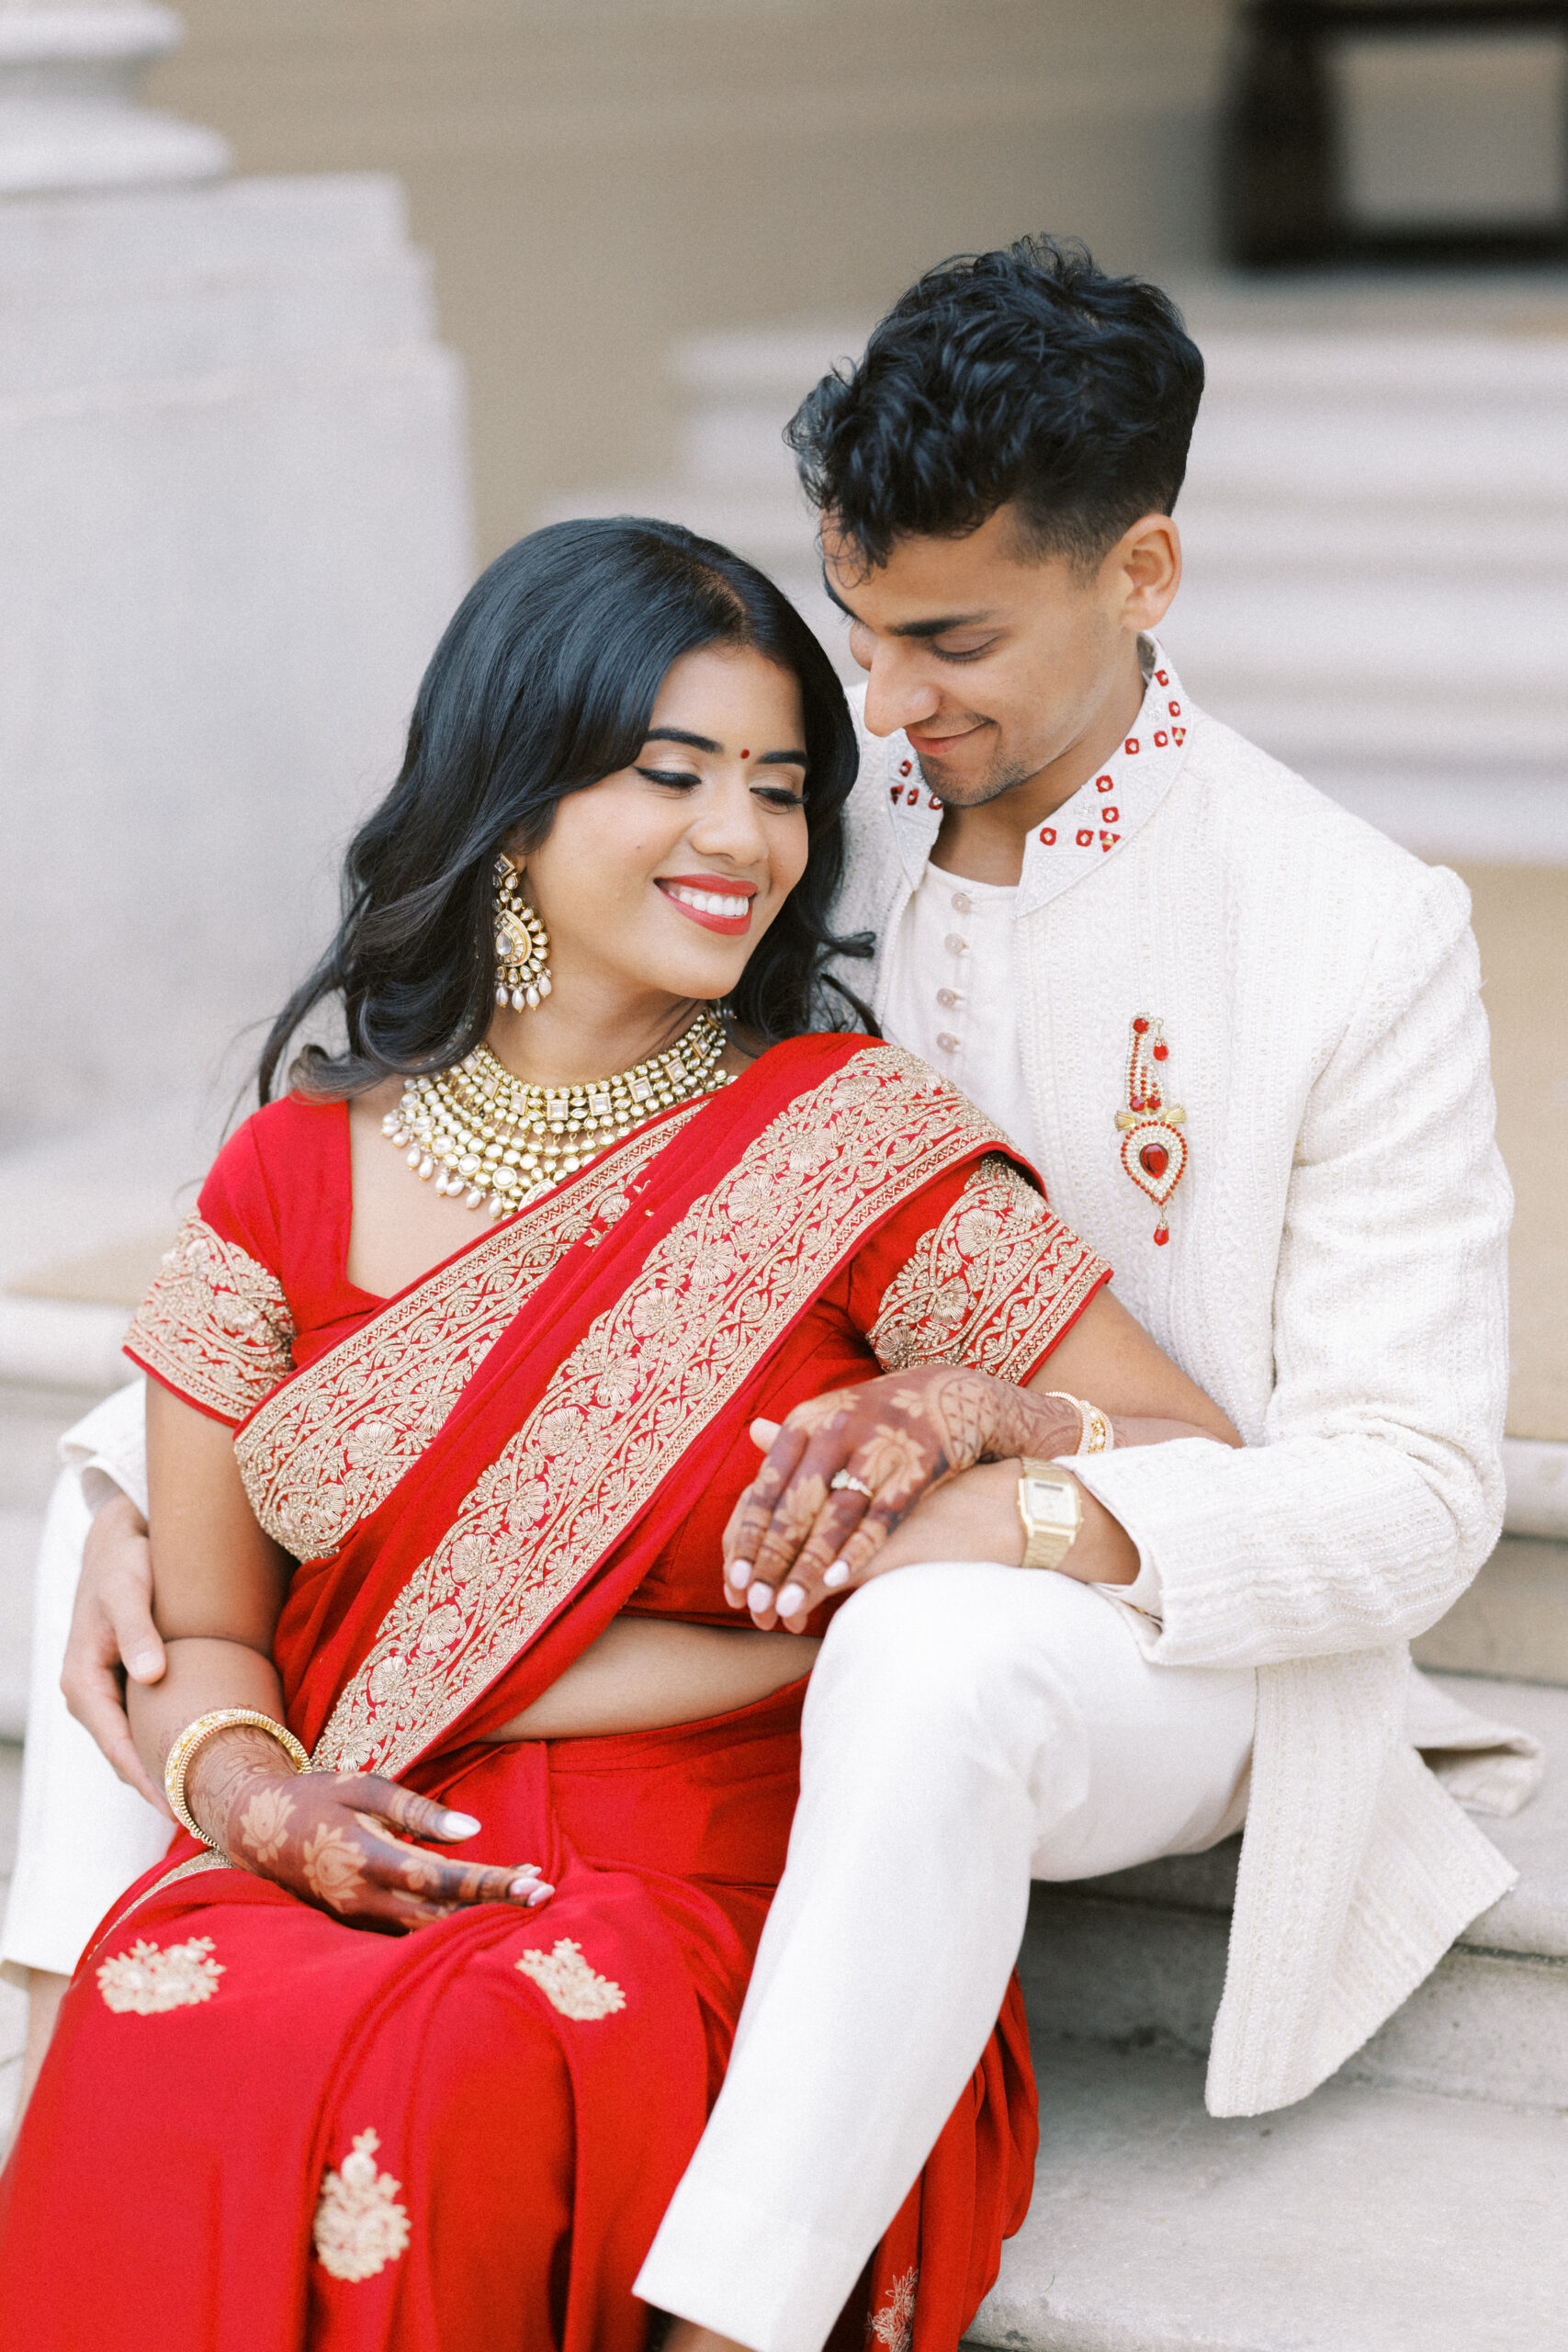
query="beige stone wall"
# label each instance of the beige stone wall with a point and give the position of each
(597, 177)
(1521, 923)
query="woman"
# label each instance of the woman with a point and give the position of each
(441, 1475)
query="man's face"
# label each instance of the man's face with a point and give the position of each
(996, 663)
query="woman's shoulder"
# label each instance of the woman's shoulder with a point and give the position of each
(218, 1324)
(816, 1053)
(824, 1053)
(296, 1126)
(291, 1151)
(851, 1069)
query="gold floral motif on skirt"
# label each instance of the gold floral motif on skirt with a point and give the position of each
(891, 2327)
(148, 1979)
(360, 2225)
(566, 1980)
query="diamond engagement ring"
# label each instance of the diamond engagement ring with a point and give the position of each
(841, 1478)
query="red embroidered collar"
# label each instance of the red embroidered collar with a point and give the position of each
(1102, 814)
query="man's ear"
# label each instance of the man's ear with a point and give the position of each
(1143, 571)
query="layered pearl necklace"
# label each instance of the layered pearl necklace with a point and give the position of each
(480, 1131)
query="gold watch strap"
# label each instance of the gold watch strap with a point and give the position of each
(1051, 1507)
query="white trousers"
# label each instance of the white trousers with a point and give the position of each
(967, 1728)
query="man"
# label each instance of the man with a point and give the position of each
(1240, 1035)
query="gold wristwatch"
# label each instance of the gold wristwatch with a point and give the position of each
(1052, 1510)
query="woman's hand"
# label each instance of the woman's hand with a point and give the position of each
(898, 1437)
(325, 1836)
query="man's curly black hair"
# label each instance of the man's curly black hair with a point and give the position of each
(1026, 375)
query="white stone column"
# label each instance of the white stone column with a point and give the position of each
(233, 520)
(68, 112)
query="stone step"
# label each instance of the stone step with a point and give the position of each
(1512, 1621)
(1137, 1958)
(1363, 2220)
(1536, 1471)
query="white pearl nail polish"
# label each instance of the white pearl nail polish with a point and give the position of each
(837, 1576)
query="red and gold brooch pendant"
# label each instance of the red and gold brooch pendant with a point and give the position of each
(1154, 1142)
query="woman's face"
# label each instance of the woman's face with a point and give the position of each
(664, 876)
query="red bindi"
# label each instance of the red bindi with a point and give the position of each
(745, 755)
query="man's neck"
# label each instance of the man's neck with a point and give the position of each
(986, 843)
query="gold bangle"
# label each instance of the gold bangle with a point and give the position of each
(1099, 1437)
(177, 1764)
(1095, 1433)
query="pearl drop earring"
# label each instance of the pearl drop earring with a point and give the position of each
(521, 945)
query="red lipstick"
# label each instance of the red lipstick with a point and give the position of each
(709, 887)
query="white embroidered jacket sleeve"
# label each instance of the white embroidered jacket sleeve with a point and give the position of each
(1378, 1489)
(107, 1447)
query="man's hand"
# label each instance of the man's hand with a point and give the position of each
(795, 1534)
(112, 1632)
(325, 1836)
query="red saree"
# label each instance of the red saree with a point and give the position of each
(260, 2128)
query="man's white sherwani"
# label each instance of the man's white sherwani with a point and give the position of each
(1335, 1277)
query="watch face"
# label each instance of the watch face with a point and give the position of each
(1049, 1505)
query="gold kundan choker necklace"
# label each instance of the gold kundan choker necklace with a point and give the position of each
(480, 1131)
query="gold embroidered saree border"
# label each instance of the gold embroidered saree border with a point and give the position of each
(191, 1868)
(328, 1449)
(648, 1376)
(993, 1286)
(215, 1324)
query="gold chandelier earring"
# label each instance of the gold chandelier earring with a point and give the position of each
(521, 945)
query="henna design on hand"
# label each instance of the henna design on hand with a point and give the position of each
(903, 1436)
(818, 1411)
(264, 1824)
(333, 1867)
(417, 1871)
(962, 1409)
(224, 1775)
(316, 1835)
(893, 1463)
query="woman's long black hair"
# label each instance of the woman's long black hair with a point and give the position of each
(544, 683)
